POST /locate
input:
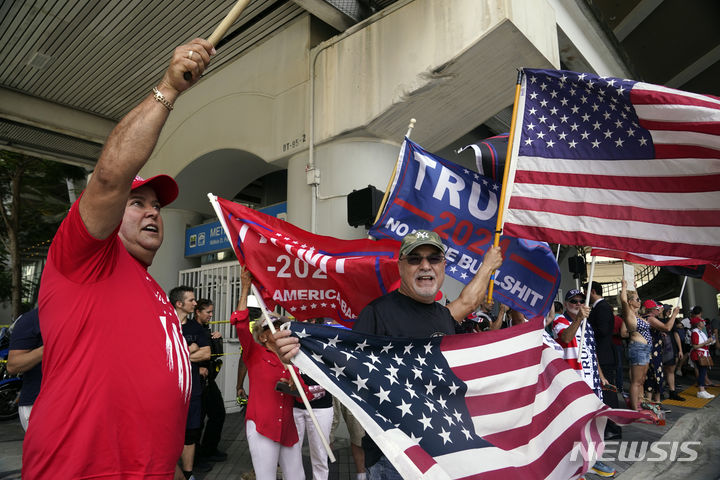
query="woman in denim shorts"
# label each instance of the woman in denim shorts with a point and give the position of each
(639, 346)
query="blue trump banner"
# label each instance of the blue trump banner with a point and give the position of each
(429, 192)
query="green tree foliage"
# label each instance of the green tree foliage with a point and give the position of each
(34, 199)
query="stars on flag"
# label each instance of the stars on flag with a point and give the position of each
(556, 105)
(401, 384)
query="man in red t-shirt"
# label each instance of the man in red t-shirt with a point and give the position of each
(116, 383)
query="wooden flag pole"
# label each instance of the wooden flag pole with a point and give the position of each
(258, 297)
(222, 28)
(587, 304)
(682, 290)
(503, 192)
(411, 125)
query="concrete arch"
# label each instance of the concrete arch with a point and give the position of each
(236, 121)
(247, 106)
(224, 172)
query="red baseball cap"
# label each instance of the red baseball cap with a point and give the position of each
(650, 304)
(696, 320)
(165, 187)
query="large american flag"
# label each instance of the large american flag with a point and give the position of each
(499, 404)
(617, 164)
(646, 258)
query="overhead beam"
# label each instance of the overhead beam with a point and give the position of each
(636, 16)
(695, 68)
(326, 12)
(39, 113)
(45, 155)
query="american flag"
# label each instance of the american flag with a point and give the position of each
(646, 258)
(616, 164)
(499, 404)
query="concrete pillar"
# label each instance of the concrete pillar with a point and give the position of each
(345, 165)
(171, 257)
(698, 292)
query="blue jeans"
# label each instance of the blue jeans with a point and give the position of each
(702, 375)
(383, 470)
(639, 353)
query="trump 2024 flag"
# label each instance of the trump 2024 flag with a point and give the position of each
(431, 193)
(491, 405)
(310, 275)
(615, 164)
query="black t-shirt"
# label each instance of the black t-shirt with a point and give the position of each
(323, 402)
(195, 333)
(216, 350)
(26, 336)
(397, 315)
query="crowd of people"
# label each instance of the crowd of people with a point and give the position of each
(128, 392)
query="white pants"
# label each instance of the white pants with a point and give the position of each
(318, 455)
(24, 413)
(266, 455)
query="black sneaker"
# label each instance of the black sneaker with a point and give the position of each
(202, 467)
(216, 456)
(676, 397)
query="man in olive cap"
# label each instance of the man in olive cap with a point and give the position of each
(412, 312)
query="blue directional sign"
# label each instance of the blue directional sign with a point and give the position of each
(210, 237)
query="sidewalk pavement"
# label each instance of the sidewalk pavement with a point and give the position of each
(682, 425)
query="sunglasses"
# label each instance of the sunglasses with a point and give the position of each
(433, 259)
(575, 301)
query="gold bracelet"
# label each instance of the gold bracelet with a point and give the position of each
(161, 98)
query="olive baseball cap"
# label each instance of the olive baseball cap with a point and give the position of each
(420, 237)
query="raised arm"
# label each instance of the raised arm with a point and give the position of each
(246, 279)
(132, 141)
(569, 333)
(658, 324)
(474, 292)
(628, 315)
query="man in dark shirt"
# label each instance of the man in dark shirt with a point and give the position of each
(412, 312)
(602, 320)
(212, 399)
(183, 299)
(25, 356)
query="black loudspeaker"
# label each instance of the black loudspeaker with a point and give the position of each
(363, 205)
(577, 266)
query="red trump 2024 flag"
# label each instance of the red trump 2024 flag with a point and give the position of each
(615, 164)
(310, 275)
